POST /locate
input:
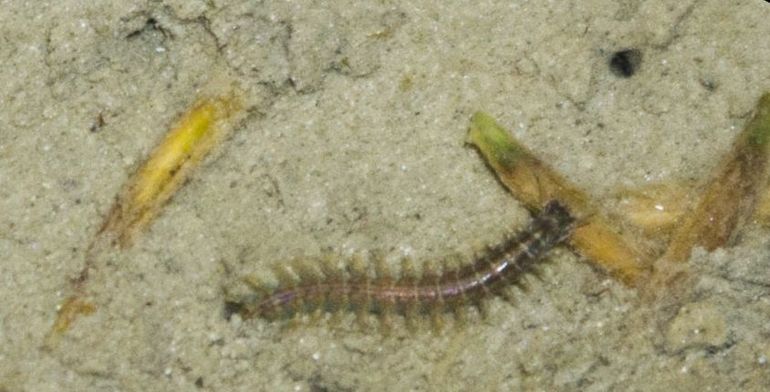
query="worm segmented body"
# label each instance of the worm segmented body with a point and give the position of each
(330, 289)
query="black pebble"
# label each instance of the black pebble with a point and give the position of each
(625, 63)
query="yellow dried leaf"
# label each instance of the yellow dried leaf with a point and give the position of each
(196, 132)
(168, 166)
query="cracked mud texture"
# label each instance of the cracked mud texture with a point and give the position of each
(358, 113)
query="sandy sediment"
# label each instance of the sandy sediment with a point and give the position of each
(357, 114)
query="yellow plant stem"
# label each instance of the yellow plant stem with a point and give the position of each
(534, 183)
(69, 311)
(153, 184)
(167, 168)
(655, 208)
(730, 197)
(762, 212)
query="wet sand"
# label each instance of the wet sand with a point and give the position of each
(354, 141)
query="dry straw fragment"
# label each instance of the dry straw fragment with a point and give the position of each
(168, 166)
(153, 184)
(730, 197)
(533, 182)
